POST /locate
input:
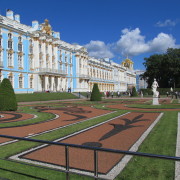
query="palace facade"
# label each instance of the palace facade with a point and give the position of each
(34, 58)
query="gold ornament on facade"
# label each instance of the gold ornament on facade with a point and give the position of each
(53, 57)
(35, 38)
(10, 67)
(46, 27)
(31, 55)
(20, 53)
(1, 49)
(10, 51)
(20, 68)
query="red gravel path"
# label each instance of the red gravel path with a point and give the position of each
(67, 116)
(125, 137)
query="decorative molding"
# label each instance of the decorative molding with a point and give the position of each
(20, 53)
(10, 51)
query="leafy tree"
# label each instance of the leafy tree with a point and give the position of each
(95, 95)
(7, 96)
(164, 67)
(134, 92)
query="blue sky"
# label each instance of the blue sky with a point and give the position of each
(108, 28)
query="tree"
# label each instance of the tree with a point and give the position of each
(134, 92)
(164, 67)
(7, 96)
(95, 95)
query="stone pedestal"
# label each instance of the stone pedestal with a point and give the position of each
(155, 101)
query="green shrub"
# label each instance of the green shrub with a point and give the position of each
(134, 92)
(95, 95)
(7, 96)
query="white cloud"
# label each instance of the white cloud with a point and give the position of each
(166, 23)
(131, 43)
(161, 43)
(99, 49)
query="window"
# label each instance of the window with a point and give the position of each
(30, 47)
(0, 40)
(20, 46)
(10, 41)
(10, 44)
(10, 62)
(40, 48)
(20, 63)
(10, 77)
(40, 63)
(9, 35)
(31, 63)
(0, 57)
(46, 49)
(31, 82)
(19, 38)
(20, 81)
(47, 64)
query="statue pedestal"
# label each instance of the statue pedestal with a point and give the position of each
(155, 101)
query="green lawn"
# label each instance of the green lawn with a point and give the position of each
(40, 117)
(161, 106)
(44, 96)
(161, 140)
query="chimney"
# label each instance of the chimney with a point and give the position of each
(17, 18)
(9, 14)
(35, 25)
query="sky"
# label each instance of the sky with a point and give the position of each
(116, 29)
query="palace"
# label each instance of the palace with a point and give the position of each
(34, 58)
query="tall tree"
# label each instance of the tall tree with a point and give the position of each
(164, 67)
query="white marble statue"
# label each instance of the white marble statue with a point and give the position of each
(154, 88)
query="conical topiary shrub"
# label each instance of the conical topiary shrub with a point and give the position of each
(134, 92)
(7, 96)
(95, 95)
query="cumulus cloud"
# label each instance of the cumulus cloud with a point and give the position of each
(99, 49)
(166, 23)
(161, 43)
(132, 43)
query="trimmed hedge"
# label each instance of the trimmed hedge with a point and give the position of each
(95, 95)
(7, 96)
(134, 92)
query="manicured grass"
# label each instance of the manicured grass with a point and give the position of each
(161, 106)
(44, 96)
(11, 149)
(161, 140)
(41, 117)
